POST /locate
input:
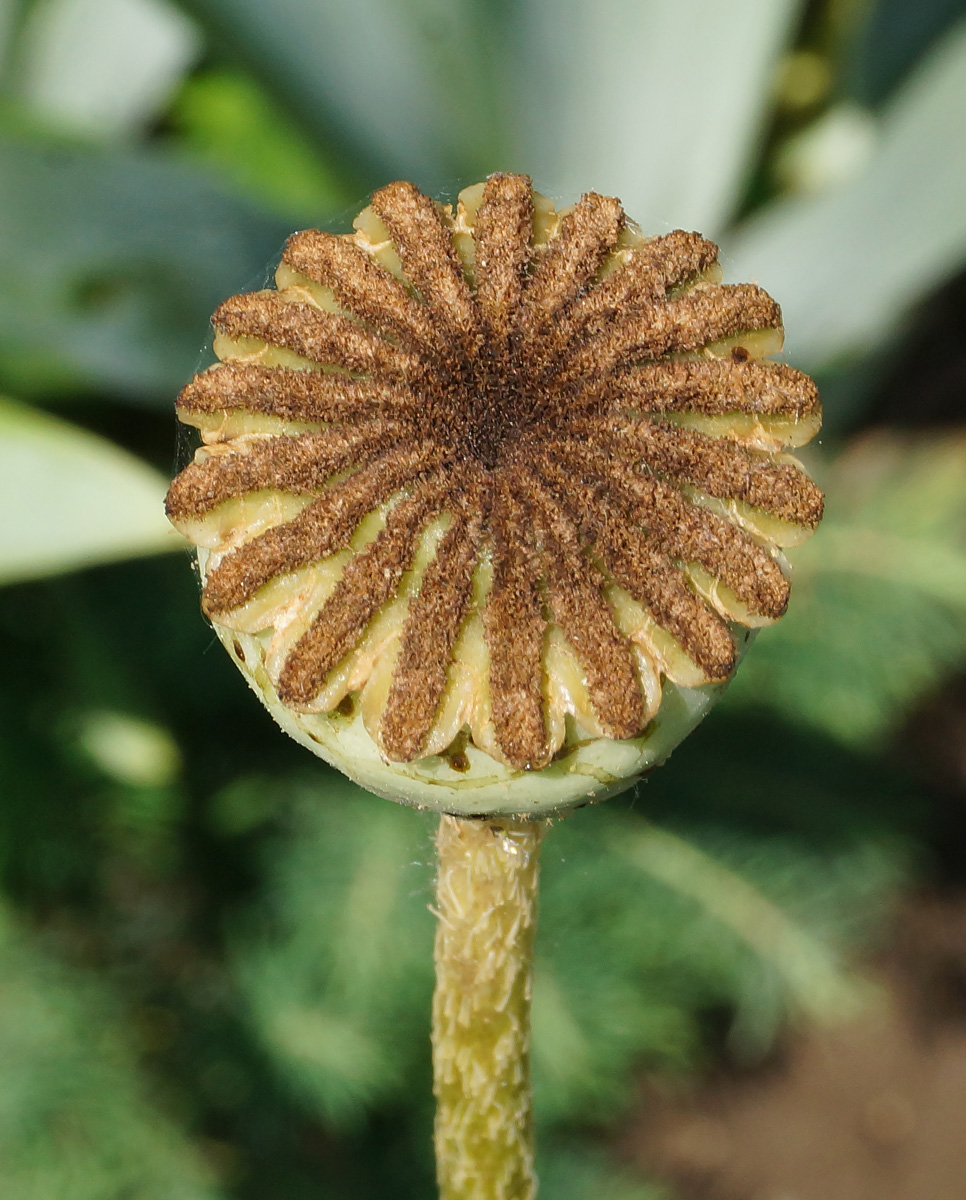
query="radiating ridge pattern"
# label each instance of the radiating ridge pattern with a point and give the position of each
(495, 473)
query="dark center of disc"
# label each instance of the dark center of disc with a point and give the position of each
(495, 403)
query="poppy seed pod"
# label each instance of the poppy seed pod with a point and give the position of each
(490, 498)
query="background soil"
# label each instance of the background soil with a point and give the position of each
(875, 1110)
(871, 1111)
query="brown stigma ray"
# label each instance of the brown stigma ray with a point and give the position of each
(311, 333)
(312, 397)
(713, 387)
(577, 402)
(718, 468)
(432, 265)
(502, 238)
(678, 531)
(586, 235)
(429, 635)
(514, 625)
(323, 528)
(297, 465)
(645, 279)
(578, 607)
(369, 580)
(361, 285)
(653, 579)
(706, 314)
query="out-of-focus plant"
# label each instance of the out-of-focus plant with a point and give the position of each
(826, 146)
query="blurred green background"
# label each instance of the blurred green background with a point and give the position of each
(215, 955)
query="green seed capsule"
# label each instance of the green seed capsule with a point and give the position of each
(488, 500)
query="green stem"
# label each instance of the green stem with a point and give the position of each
(486, 905)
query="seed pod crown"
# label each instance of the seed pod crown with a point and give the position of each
(487, 498)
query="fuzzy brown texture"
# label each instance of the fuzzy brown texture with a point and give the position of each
(570, 260)
(720, 469)
(675, 528)
(577, 605)
(369, 581)
(300, 465)
(318, 336)
(431, 263)
(502, 242)
(715, 386)
(434, 619)
(529, 398)
(360, 284)
(323, 528)
(643, 280)
(515, 626)
(291, 395)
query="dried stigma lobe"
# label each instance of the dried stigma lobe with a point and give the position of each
(488, 500)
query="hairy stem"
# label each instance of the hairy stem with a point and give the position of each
(486, 904)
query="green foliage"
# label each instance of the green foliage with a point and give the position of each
(893, 39)
(75, 1119)
(412, 89)
(851, 262)
(214, 949)
(600, 97)
(106, 504)
(879, 612)
(336, 964)
(642, 931)
(225, 120)
(637, 952)
(567, 1175)
(112, 262)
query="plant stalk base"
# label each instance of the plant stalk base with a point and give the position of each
(486, 905)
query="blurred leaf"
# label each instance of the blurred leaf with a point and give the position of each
(72, 498)
(829, 152)
(112, 262)
(132, 751)
(568, 1171)
(74, 1119)
(627, 965)
(103, 67)
(227, 120)
(878, 611)
(403, 88)
(615, 95)
(107, 688)
(894, 35)
(334, 960)
(816, 985)
(337, 970)
(9, 11)
(847, 266)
